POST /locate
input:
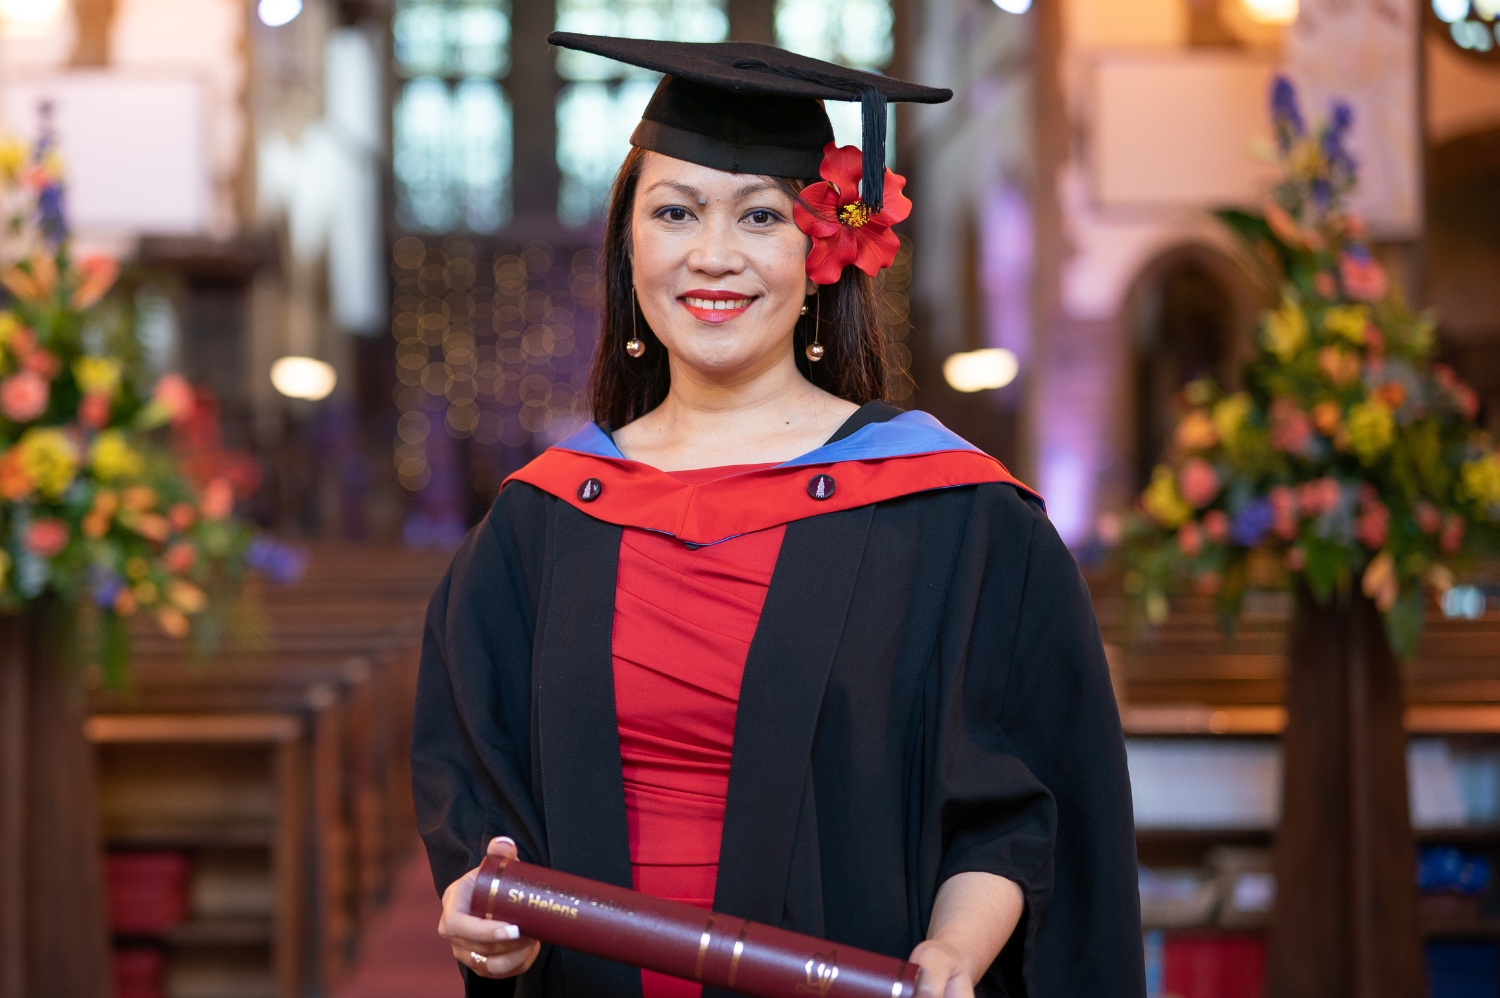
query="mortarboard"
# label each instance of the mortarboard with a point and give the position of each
(745, 107)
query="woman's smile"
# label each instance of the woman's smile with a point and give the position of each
(716, 305)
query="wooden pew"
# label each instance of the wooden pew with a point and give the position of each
(226, 783)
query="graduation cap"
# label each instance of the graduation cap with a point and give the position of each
(744, 107)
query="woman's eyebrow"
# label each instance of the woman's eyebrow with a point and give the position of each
(755, 187)
(683, 189)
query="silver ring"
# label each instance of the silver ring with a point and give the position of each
(483, 961)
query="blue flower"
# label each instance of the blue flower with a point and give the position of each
(1252, 522)
(281, 564)
(1285, 113)
(104, 585)
(52, 218)
(1341, 119)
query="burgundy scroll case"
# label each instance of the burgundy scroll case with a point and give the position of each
(719, 950)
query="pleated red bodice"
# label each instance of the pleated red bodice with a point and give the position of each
(684, 619)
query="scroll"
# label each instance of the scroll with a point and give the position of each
(718, 950)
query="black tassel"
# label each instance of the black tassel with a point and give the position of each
(872, 109)
(872, 104)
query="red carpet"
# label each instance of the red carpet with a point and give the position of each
(401, 956)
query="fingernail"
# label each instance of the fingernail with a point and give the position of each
(503, 838)
(507, 932)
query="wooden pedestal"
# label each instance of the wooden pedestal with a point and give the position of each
(54, 936)
(1345, 918)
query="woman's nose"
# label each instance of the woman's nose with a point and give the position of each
(714, 251)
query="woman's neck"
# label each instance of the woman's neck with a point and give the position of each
(705, 422)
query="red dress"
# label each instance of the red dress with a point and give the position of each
(684, 618)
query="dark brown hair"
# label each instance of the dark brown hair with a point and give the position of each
(624, 388)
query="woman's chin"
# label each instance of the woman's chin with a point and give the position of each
(724, 360)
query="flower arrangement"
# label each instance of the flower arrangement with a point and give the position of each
(115, 494)
(1348, 456)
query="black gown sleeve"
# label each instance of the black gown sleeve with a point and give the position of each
(1030, 777)
(470, 753)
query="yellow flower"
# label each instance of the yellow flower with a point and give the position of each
(186, 597)
(1229, 415)
(112, 457)
(1347, 321)
(50, 460)
(1372, 430)
(97, 375)
(13, 156)
(1162, 500)
(1285, 330)
(8, 326)
(1480, 480)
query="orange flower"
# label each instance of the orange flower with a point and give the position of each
(149, 525)
(138, 498)
(34, 281)
(125, 603)
(14, 482)
(1339, 366)
(173, 621)
(1327, 416)
(99, 273)
(1195, 432)
(1392, 393)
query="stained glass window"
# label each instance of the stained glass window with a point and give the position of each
(855, 33)
(600, 104)
(451, 124)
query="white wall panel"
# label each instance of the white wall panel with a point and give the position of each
(135, 147)
(1176, 129)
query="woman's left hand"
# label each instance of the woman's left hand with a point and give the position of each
(945, 972)
(973, 915)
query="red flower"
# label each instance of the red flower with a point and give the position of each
(842, 227)
(1374, 525)
(93, 410)
(45, 538)
(23, 396)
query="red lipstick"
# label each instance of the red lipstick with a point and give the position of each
(715, 305)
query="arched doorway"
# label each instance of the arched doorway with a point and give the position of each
(1191, 313)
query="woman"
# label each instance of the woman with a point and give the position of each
(756, 640)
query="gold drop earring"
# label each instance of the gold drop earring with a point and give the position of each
(814, 349)
(634, 346)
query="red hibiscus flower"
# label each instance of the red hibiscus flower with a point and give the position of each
(843, 228)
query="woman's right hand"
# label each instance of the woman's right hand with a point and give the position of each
(489, 948)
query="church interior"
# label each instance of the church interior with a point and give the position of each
(367, 234)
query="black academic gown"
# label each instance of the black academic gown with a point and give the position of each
(926, 694)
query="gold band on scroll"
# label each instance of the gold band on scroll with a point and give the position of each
(739, 948)
(708, 933)
(489, 908)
